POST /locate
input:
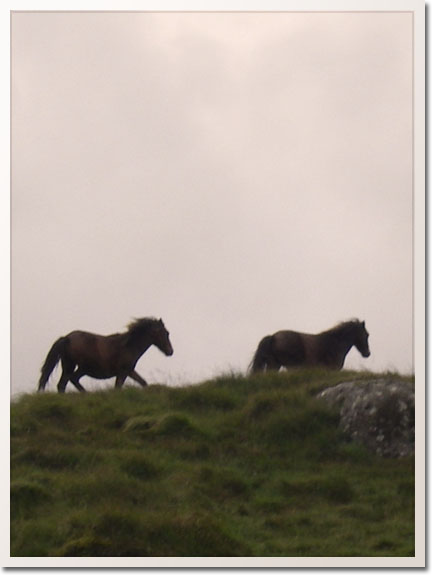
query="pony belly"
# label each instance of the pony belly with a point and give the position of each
(99, 373)
(103, 370)
(97, 369)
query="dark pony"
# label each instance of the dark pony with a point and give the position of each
(102, 357)
(327, 349)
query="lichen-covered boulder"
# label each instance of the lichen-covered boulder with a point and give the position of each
(378, 414)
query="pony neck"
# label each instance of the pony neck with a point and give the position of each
(344, 337)
(139, 343)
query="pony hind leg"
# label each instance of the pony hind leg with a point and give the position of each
(272, 365)
(67, 372)
(63, 381)
(75, 379)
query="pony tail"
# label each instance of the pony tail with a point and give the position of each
(53, 357)
(262, 355)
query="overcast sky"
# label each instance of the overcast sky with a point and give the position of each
(232, 173)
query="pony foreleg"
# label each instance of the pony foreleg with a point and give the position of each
(136, 377)
(120, 381)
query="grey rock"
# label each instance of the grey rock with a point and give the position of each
(377, 413)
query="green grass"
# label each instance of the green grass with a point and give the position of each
(231, 467)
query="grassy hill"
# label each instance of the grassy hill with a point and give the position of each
(232, 467)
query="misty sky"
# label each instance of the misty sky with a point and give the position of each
(232, 173)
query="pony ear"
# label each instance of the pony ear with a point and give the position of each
(363, 324)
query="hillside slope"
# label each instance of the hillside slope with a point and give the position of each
(232, 467)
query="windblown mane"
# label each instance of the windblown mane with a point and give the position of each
(344, 326)
(139, 326)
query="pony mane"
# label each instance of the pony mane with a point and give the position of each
(344, 326)
(138, 326)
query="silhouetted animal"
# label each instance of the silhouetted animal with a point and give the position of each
(102, 357)
(328, 349)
